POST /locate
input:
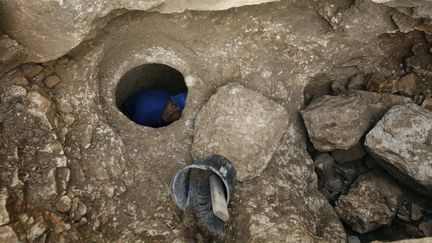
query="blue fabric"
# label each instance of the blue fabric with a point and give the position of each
(146, 107)
(179, 100)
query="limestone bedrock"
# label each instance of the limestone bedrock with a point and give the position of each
(50, 29)
(401, 142)
(243, 126)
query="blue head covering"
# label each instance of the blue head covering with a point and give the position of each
(179, 100)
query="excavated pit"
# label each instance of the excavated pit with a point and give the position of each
(288, 52)
(148, 76)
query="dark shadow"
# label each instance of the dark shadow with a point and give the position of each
(153, 75)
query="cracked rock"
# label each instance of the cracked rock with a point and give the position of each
(370, 203)
(401, 143)
(243, 126)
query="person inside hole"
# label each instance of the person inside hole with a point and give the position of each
(155, 107)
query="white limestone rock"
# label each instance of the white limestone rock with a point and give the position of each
(402, 144)
(243, 126)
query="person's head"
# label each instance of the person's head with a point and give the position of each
(174, 108)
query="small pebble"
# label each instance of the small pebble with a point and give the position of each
(20, 80)
(427, 103)
(30, 71)
(416, 212)
(64, 204)
(407, 85)
(52, 81)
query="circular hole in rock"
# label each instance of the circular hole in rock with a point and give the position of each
(144, 92)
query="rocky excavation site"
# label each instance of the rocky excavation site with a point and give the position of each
(323, 107)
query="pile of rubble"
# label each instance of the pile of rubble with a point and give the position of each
(372, 149)
(35, 195)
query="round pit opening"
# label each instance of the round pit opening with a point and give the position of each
(162, 83)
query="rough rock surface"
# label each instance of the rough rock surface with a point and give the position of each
(50, 29)
(354, 153)
(370, 203)
(241, 125)
(11, 53)
(378, 104)
(420, 8)
(8, 235)
(336, 122)
(402, 143)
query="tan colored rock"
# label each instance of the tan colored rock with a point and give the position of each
(407, 85)
(336, 122)
(7, 234)
(52, 81)
(403, 214)
(59, 225)
(40, 23)
(357, 82)
(20, 80)
(243, 126)
(40, 106)
(354, 153)
(324, 165)
(30, 70)
(63, 176)
(421, 61)
(427, 103)
(400, 142)
(377, 82)
(405, 22)
(80, 211)
(379, 103)
(37, 229)
(48, 190)
(64, 204)
(416, 212)
(4, 215)
(12, 92)
(371, 202)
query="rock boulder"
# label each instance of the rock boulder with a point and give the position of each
(402, 143)
(371, 202)
(336, 122)
(243, 126)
